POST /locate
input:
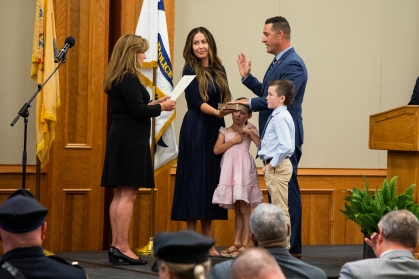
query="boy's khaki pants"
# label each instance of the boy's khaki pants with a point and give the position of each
(277, 185)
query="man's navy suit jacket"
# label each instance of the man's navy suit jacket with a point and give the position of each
(290, 66)
(415, 96)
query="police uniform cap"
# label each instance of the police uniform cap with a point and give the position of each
(185, 247)
(21, 212)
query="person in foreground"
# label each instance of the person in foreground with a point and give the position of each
(287, 64)
(256, 263)
(22, 231)
(270, 230)
(393, 245)
(182, 255)
(198, 168)
(127, 163)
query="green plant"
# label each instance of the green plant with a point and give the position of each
(366, 210)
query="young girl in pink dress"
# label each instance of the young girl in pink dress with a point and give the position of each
(238, 187)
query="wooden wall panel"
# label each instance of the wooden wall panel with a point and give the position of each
(317, 216)
(140, 226)
(75, 219)
(341, 181)
(72, 191)
(401, 163)
(323, 192)
(11, 180)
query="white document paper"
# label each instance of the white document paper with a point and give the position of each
(181, 86)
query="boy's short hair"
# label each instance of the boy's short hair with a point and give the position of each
(284, 87)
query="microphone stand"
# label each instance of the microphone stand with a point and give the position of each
(23, 112)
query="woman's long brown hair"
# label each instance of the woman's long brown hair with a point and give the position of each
(203, 74)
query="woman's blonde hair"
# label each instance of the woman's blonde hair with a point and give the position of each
(124, 59)
(203, 75)
(188, 271)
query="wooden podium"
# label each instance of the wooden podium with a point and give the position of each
(397, 130)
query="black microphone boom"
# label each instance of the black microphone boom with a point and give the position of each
(69, 42)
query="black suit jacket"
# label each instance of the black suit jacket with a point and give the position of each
(294, 268)
(33, 264)
(290, 266)
(415, 95)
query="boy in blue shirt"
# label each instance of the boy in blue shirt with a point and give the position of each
(277, 144)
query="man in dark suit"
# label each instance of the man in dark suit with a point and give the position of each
(22, 231)
(270, 230)
(415, 95)
(287, 64)
(393, 245)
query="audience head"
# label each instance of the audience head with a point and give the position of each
(22, 221)
(124, 59)
(284, 87)
(255, 263)
(268, 225)
(400, 227)
(182, 254)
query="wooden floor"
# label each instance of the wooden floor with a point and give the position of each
(330, 258)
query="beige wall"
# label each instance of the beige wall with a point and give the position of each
(16, 86)
(362, 58)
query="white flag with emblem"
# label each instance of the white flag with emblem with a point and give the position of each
(152, 26)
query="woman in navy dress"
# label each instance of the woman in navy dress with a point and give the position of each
(198, 168)
(127, 163)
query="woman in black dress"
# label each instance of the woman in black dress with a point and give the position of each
(198, 168)
(128, 160)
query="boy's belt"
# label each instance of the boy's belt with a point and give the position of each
(267, 161)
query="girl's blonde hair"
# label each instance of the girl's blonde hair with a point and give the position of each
(124, 59)
(189, 271)
(204, 75)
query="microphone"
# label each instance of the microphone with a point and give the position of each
(69, 42)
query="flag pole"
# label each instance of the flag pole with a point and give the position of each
(148, 248)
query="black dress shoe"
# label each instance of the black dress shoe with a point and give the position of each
(154, 267)
(118, 255)
(298, 256)
(110, 252)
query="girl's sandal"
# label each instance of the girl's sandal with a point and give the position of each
(241, 249)
(227, 253)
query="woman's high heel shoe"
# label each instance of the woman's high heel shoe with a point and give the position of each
(118, 255)
(110, 252)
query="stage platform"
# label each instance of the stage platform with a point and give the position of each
(330, 258)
